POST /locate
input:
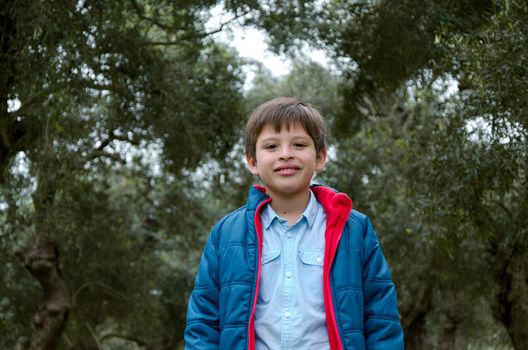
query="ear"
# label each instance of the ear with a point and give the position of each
(320, 160)
(252, 164)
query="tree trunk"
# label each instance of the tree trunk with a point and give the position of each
(453, 336)
(453, 331)
(14, 131)
(42, 261)
(7, 34)
(171, 336)
(510, 299)
(414, 319)
(416, 333)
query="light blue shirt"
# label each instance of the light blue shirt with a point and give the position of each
(290, 309)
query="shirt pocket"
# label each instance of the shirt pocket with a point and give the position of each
(269, 275)
(311, 275)
(270, 256)
(311, 257)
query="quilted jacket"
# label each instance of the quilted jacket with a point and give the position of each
(359, 295)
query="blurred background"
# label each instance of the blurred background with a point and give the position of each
(120, 146)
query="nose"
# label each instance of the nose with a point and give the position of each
(285, 153)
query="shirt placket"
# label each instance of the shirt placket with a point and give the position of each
(288, 286)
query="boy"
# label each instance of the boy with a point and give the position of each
(296, 268)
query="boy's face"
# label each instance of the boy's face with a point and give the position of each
(286, 161)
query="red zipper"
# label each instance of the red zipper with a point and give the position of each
(258, 230)
(337, 207)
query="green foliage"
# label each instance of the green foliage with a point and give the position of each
(118, 103)
(286, 22)
(383, 44)
(308, 80)
(120, 127)
(462, 175)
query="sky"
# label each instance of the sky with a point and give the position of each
(251, 43)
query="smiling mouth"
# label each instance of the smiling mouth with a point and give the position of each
(287, 170)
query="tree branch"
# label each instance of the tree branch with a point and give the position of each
(39, 96)
(105, 287)
(92, 333)
(113, 136)
(125, 337)
(90, 84)
(504, 208)
(139, 12)
(98, 154)
(35, 99)
(197, 35)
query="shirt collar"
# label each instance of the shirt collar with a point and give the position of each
(310, 212)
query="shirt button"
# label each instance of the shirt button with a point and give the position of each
(288, 274)
(289, 235)
(319, 259)
(287, 314)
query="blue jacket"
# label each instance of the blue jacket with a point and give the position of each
(359, 295)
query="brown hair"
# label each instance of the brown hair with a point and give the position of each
(284, 111)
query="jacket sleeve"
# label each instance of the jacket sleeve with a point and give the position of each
(382, 328)
(202, 329)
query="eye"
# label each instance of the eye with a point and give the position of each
(299, 145)
(270, 146)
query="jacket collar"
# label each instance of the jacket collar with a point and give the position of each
(331, 200)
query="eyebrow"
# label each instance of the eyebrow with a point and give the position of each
(294, 137)
(268, 139)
